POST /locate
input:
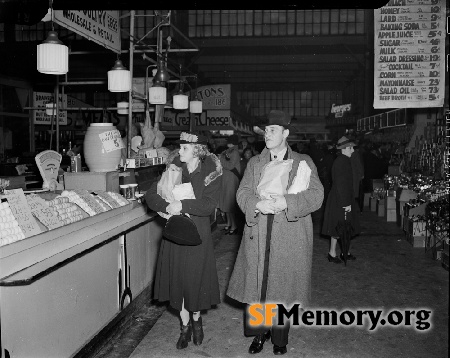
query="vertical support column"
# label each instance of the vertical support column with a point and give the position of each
(369, 62)
(130, 93)
(57, 113)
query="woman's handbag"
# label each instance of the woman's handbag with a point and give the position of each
(181, 230)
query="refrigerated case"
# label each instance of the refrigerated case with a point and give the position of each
(60, 288)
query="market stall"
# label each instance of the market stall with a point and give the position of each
(64, 282)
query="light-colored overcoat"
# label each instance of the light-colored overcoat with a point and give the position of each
(290, 260)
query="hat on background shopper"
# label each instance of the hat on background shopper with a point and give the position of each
(279, 118)
(192, 138)
(233, 139)
(344, 142)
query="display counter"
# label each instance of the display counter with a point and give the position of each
(60, 288)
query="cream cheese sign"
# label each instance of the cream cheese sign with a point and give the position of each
(409, 54)
(100, 26)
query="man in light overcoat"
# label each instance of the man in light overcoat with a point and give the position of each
(274, 261)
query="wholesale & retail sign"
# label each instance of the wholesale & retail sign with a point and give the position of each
(409, 54)
(100, 26)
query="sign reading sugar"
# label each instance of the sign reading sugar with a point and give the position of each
(409, 54)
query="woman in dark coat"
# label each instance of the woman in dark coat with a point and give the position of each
(186, 276)
(231, 163)
(341, 199)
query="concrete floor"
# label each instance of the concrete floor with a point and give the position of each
(388, 274)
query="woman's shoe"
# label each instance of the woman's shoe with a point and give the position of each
(334, 259)
(232, 232)
(225, 228)
(185, 336)
(350, 257)
(197, 331)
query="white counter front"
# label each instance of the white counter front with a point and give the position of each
(62, 287)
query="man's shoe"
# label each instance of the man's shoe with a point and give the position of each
(350, 257)
(258, 342)
(278, 351)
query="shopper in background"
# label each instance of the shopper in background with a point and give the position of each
(324, 171)
(358, 176)
(186, 276)
(275, 256)
(231, 163)
(246, 155)
(341, 198)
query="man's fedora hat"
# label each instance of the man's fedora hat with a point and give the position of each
(279, 118)
(344, 142)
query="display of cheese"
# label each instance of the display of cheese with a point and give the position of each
(119, 198)
(104, 206)
(107, 199)
(66, 211)
(73, 197)
(9, 227)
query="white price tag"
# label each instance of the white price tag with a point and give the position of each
(111, 140)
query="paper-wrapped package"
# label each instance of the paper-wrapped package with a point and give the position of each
(169, 178)
(274, 178)
(301, 180)
(183, 191)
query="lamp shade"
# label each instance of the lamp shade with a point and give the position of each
(52, 56)
(50, 109)
(196, 106)
(180, 101)
(157, 94)
(122, 107)
(119, 78)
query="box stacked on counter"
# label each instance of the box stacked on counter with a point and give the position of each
(413, 197)
(33, 214)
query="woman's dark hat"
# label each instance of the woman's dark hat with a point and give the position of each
(181, 230)
(192, 138)
(344, 142)
(280, 118)
(233, 139)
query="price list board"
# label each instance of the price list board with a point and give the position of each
(409, 63)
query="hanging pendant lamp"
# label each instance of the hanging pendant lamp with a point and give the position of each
(52, 56)
(157, 94)
(50, 109)
(196, 106)
(119, 78)
(180, 100)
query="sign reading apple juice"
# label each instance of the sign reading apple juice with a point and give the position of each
(409, 54)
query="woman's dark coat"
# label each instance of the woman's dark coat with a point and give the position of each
(230, 181)
(341, 195)
(190, 272)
